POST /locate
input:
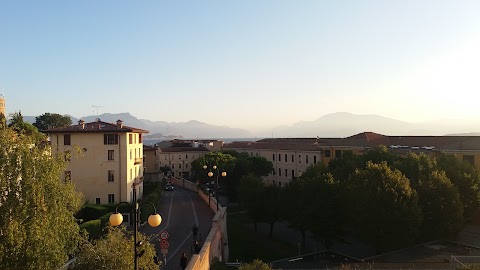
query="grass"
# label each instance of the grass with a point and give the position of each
(245, 245)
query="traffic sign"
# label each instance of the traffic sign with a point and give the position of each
(164, 244)
(164, 251)
(164, 235)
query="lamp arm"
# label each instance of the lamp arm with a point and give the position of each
(148, 203)
(120, 203)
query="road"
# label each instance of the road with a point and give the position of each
(180, 210)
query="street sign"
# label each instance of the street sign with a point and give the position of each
(164, 251)
(164, 235)
(164, 244)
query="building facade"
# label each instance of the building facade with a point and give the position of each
(291, 156)
(104, 159)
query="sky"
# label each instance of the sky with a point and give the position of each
(248, 63)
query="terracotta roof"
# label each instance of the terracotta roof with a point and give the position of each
(184, 149)
(365, 139)
(149, 148)
(97, 126)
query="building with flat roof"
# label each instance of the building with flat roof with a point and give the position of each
(109, 162)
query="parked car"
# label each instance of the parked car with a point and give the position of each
(168, 187)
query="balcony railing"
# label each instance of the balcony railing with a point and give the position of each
(138, 161)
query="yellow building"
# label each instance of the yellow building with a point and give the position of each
(108, 162)
(179, 154)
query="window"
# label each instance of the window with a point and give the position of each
(135, 152)
(180, 165)
(286, 159)
(111, 198)
(293, 173)
(110, 138)
(173, 174)
(279, 172)
(338, 153)
(173, 165)
(256, 154)
(131, 174)
(314, 159)
(293, 158)
(279, 157)
(97, 200)
(186, 165)
(286, 172)
(140, 138)
(130, 138)
(130, 153)
(179, 156)
(111, 176)
(186, 156)
(306, 159)
(251, 154)
(110, 154)
(327, 153)
(299, 158)
(68, 176)
(273, 157)
(279, 183)
(66, 139)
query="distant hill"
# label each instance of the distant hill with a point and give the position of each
(190, 129)
(343, 124)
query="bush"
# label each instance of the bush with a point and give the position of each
(91, 212)
(93, 227)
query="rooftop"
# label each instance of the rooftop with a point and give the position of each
(97, 126)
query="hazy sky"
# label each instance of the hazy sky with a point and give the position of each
(244, 63)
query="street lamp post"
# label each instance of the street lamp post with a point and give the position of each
(154, 220)
(210, 174)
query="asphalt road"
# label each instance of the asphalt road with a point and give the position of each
(180, 210)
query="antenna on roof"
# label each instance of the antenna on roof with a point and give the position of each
(96, 108)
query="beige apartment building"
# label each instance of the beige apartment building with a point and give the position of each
(104, 159)
(179, 157)
(291, 156)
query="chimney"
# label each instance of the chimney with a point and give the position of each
(119, 123)
(81, 122)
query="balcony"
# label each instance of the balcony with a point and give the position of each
(138, 161)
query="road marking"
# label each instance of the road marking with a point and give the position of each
(194, 212)
(179, 247)
(154, 236)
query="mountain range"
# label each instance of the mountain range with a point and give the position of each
(341, 124)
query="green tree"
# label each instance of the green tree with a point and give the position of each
(378, 155)
(270, 205)
(115, 251)
(383, 207)
(37, 226)
(464, 177)
(51, 120)
(250, 195)
(224, 162)
(18, 125)
(438, 198)
(344, 167)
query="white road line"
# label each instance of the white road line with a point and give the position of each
(194, 212)
(154, 236)
(189, 236)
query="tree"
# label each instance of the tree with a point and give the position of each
(438, 198)
(344, 167)
(260, 166)
(37, 226)
(224, 162)
(250, 195)
(378, 155)
(18, 125)
(464, 177)
(270, 205)
(383, 207)
(51, 120)
(115, 251)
